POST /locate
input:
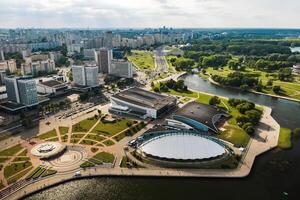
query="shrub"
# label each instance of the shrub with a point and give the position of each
(276, 89)
(214, 100)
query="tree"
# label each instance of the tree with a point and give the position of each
(253, 115)
(276, 89)
(214, 100)
(269, 82)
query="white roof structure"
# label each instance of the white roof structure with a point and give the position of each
(182, 147)
(47, 149)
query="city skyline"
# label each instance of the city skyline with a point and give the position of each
(149, 13)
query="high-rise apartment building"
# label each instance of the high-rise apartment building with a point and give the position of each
(85, 75)
(121, 68)
(103, 59)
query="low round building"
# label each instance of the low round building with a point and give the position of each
(182, 149)
(47, 150)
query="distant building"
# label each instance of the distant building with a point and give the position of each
(2, 55)
(85, 75)
(108, 39)
(9, 65)
(37, 63)
(21, 90)
(121, 68)
(103, 59)
(89, 54)
(34, 68)
(296, 69)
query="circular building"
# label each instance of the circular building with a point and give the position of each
(178, 149)
(48, 149)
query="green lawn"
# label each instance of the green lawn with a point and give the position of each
(14, 168)
(3, 159)
(84, 125)
(18, 159)
(48, 173)
(11, 151)
(23, 153)
(105, 157)
(16, 177)
(111, 128)
(33, 172)
(285, 138)
(47, 135)
(1, 185)
(142, 59)
(87, 164)
(124, 161)
(235, 135)
(94, 137)
(63, 130)
(77, 136)
(88, 142)
(108, 143)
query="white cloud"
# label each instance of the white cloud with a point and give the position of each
(149, 13)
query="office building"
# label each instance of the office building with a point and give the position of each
(121, 68)
(21, 90)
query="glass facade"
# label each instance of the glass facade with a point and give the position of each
(195, 124)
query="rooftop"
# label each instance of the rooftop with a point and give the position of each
(51, 83)
(144, 98)
(182, 146)
(201, 113)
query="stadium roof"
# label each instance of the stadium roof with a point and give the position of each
(144, 98)
(200, 112)
(182, 147)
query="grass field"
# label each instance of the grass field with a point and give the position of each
(142, 59)
(105, 157)
(14, 168)
(95, 137)
(84, 125)
(11, 151)
(111, 128)
(47, 135)
(285, 138)
(63, 130)
(16, 177)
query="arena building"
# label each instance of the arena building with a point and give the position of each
(184, 148)
(141, 103)
(198, 117)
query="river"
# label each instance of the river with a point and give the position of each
(275, 175)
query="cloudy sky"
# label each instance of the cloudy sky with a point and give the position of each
(149, 13)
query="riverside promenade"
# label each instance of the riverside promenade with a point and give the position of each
(266, 138)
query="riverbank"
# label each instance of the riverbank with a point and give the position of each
(252, 91)
(265, 140)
